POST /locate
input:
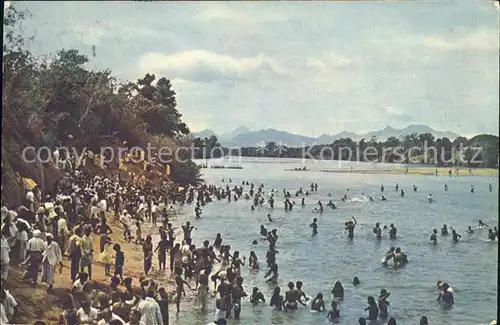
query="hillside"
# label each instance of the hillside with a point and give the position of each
(58, 102)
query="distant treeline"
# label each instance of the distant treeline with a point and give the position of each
(478, 151)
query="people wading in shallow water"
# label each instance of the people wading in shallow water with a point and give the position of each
(445, 295)
(434, 237)
(383, 304)
(349, 226)
(277, 300)
(338, 291)
(318, 304)
(257, 296)
(179, 290)
(291, 297)
(372, 309)
(314, 226)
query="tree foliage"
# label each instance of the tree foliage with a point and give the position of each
(479, 151)
(56, 100)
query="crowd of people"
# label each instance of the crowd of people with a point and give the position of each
(50, 227)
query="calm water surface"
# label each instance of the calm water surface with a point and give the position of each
(470, 266)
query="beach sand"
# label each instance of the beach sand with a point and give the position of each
(36, 304)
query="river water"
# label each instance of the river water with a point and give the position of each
(469, 266)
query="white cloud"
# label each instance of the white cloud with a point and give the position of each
(480, 40)
(204, 66)
(329, 59)
(219, 12)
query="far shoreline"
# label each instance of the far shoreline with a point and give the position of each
(426, 171)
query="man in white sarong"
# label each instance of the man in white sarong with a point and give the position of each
(52, 257)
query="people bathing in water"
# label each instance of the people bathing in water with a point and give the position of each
(445, 295)
(253, 261)
(257, 296)
(356, 281)
(338, 291)
(470, 231)
(298, 285)
(456, 237)
(277, 300)
(383, 304)
(491, 235)
(388, 256)
(434, 236)
(334, 313)
(318, 304)
(392, 232)
(481, 224)
(400, 258)
(291, 297)
(440, 285)
(349, 226)
(263, 231)
(372, 309)
(314, 226)
(444, 230)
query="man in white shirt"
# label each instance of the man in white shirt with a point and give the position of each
(10, 305)
(63, 232)
(35, 248)
(150, 310)
(186, 252)
(52, 257)
(108, 316)
(30, 200)
(126, 220)
(87, 315)
(5, 259)
(3, 316)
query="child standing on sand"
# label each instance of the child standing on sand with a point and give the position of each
(105, 256)
(119, 261)
(138, 233)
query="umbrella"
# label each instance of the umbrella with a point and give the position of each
(28, 183)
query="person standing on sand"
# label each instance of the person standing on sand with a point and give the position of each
(87, 252)
(35, 248)
(104, 231)
(162, 252)
(5, 258)
(52, 257)
(147, 248)
(180, 288)
(63, 232)
(162, 299)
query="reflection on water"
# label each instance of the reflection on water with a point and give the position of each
(321, 260)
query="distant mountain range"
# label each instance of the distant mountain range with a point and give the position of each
(244, 137)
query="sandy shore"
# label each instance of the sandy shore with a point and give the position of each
(36, 304)
(490, 172)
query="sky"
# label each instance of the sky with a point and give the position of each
(307, 68)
